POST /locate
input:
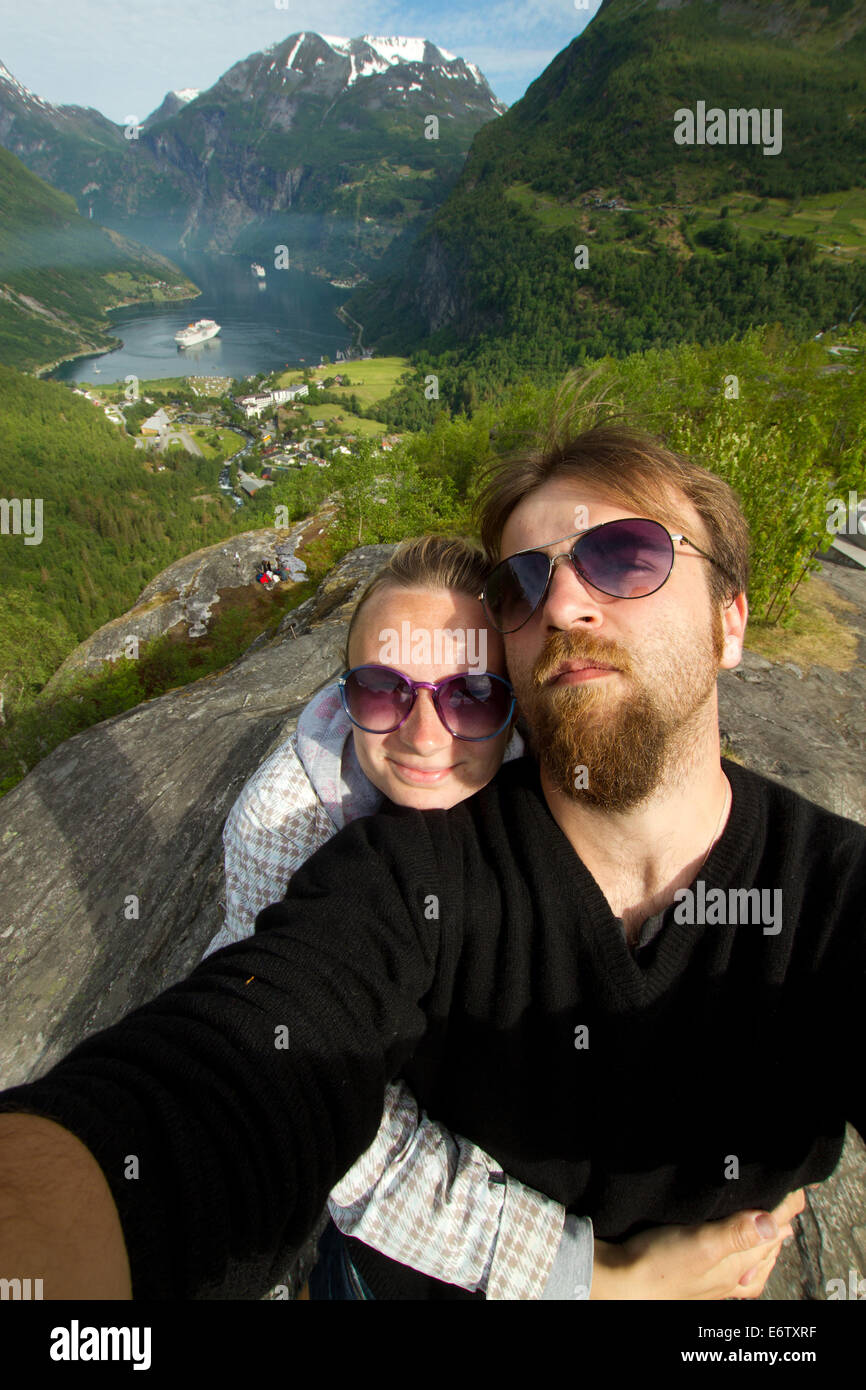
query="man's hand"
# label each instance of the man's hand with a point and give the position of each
(58, 1221)
(719, 1259)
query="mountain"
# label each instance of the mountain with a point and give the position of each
(171, 103)
(682, 241)
(59, 272)
(321, 144)
(53, 140)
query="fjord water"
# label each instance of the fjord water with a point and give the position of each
(289, 319)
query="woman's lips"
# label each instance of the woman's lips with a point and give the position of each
(421, 776)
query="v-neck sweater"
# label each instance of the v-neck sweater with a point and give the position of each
(472, 951)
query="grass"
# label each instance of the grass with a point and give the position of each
(836, 221)
(351, 424)
(828, 219)
(818, 634)
(230, 443)
(372, 378)
(551, 214)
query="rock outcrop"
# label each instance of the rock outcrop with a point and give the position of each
(110, 848)
(186, 593)
(111, 853)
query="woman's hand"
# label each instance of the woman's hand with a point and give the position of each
(731, 1258)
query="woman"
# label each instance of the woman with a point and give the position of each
(430, 712)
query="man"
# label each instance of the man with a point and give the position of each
(629, 971)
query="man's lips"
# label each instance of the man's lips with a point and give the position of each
(585, 669)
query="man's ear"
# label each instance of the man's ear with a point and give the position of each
(734, 619)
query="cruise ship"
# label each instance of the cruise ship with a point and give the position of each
(258, 270)
(198, 332)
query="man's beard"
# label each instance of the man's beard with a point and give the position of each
(611, 748)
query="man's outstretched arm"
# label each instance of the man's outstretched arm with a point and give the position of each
(222, 1113)
(58, 1220)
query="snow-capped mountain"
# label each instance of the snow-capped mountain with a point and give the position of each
(21, 92)
(171, 103)
(350, 138)
(52, 140)
(371, 55)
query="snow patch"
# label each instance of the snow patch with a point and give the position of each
(189, 93)
(365, 68)
(396, 49)
(291, 56)
(25, 92)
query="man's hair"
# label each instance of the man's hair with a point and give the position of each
(428, 562)
(637, 471)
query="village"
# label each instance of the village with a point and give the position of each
(278, 423)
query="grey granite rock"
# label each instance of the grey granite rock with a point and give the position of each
(110, 848)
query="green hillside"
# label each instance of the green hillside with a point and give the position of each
(682, 242)
(109, 524)
(59, 272)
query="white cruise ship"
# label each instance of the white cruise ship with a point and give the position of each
(258, 270)
(198, 332)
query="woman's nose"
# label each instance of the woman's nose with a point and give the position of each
(424, 727)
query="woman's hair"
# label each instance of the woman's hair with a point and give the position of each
(428, 562)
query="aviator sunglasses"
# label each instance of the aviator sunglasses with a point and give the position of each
(472, 706)
(630, 558)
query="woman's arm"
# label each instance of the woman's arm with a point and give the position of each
(439, 1203)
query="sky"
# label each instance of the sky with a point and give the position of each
(122, 56)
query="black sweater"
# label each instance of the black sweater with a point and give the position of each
(463, 948)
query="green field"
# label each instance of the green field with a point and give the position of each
(550, 213)
(230, 442)
(113, 390)
(835, 222)
(350, 424)
(372, 378)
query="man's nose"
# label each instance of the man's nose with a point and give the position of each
(569, 600)
(424, 728)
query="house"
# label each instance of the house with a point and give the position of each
(255, 405)
(156, 424)
(251, 485)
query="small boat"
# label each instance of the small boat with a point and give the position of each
(258, 270)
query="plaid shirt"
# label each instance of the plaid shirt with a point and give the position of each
(427, 1198)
